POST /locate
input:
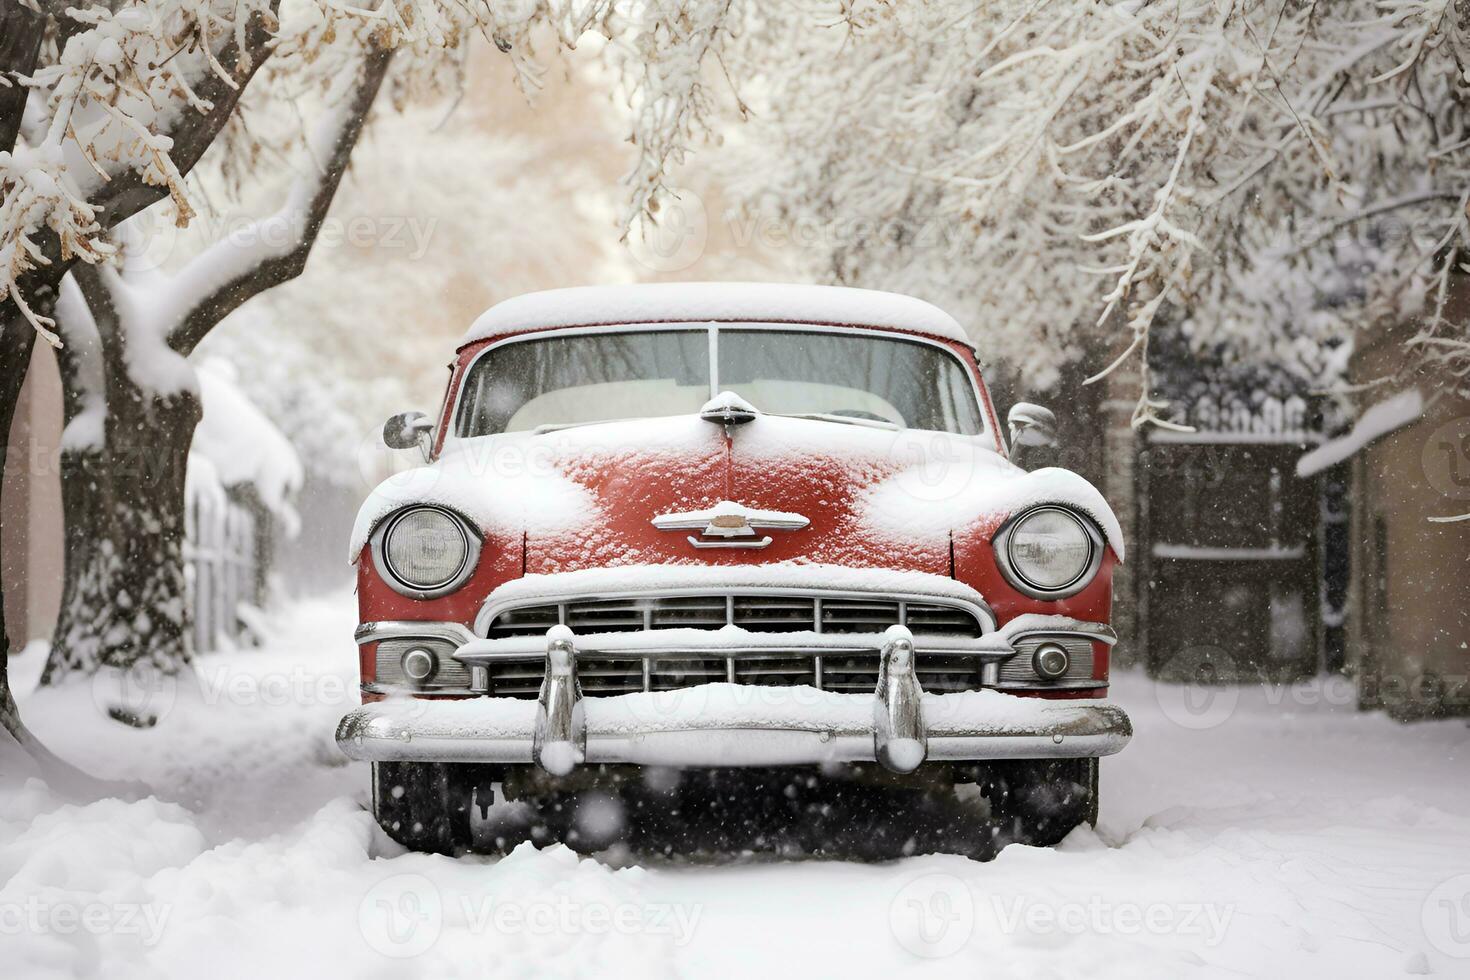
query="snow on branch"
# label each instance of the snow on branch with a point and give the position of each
(1266, 176)
(121, 95)
(664, 52)
(135, 92)
(274, 249)
(159, 317)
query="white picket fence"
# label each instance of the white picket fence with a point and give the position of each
(220, 563)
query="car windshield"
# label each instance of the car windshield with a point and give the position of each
(582, 378)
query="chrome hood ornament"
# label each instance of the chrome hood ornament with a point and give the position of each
(727, 409)
(730, 525)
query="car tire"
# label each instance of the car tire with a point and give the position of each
(425, 806)
(1041, 801)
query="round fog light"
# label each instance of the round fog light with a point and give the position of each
(418, 665)
(1051, 661)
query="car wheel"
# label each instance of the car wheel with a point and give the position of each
(425, 806)
(1040, 802)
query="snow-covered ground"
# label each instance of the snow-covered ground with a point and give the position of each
(1252, 831)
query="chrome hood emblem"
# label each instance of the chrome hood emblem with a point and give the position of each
(730, 525)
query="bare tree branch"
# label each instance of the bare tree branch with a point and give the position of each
(238, 274)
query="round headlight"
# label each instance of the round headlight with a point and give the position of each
(426, 548)
(1050, 552)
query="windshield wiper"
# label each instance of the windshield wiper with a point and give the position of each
(815, 416)
(541, 430)
(844, 419)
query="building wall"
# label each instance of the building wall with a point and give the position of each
(1409, 620)
(1409, 631)
(30, 505)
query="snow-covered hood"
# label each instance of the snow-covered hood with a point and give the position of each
(587, 497)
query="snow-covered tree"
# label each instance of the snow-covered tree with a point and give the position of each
(123, 102)
(118, 106)
(1267, 174)
(131, 396)
(133, 403)
(21, 32)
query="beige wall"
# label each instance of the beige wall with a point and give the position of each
(1409, 622)
(30, 505)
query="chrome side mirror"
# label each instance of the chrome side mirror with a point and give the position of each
(1032, 425)
(409, 429)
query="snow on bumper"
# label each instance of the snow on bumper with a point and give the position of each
(735, 725)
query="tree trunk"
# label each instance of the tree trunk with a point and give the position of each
(124, 602)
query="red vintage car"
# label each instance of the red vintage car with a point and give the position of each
(668, 536)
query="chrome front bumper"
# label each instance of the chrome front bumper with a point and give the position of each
(717, 725)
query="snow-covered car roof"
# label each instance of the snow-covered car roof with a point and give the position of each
(724, 302)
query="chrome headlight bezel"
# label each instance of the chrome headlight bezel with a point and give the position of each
(1017, 578)
(401, 585)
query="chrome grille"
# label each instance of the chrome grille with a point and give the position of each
(757, 613)
(773, 614)
(850, 672)
(776, 669)
(858, 615)
(680, 612)
(846, 672)
(526, 621)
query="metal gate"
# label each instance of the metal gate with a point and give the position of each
(1229, 585)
